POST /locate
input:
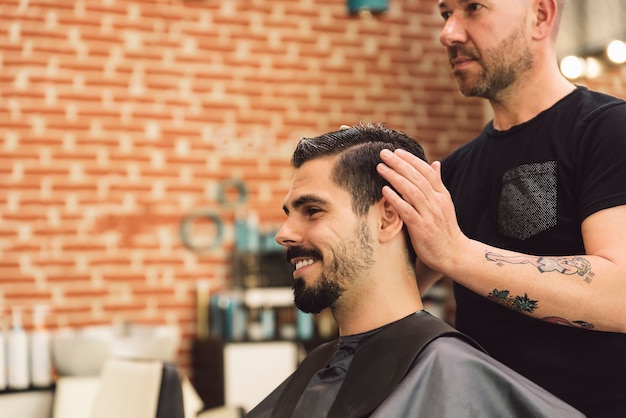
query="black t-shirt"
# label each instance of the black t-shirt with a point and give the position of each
(528, 189)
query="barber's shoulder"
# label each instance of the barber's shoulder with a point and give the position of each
(596, 101)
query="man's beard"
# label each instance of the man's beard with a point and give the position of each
(501, 66)
(350, 259)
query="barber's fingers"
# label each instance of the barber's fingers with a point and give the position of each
(416, 181)
(413, 169)
(405, 209)
(407, 198)
(437, 167)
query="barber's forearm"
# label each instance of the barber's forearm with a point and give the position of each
(579, 291)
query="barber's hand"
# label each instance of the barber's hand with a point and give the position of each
(425, 207)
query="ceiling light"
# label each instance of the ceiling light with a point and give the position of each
(593, 67)
(572, 66)
(616, 51)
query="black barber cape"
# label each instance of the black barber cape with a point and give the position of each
(415, 367)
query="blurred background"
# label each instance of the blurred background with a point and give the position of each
(145, 144)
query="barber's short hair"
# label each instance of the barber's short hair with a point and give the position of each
(560, 4)
(358, 149)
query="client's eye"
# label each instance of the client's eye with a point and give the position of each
(312, 210)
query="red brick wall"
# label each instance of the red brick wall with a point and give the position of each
(613, 81)
(117, 118)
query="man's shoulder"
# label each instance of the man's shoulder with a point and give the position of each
(370, 379)
(587, 103)
(597, 96)
(411, 335)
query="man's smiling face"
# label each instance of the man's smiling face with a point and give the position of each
(325, 240)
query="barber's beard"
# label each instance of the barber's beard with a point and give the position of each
(350, 259)
(501, 67)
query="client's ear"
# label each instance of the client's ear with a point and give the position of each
(390, 222)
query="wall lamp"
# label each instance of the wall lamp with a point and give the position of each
(367, 8)
(591, 65)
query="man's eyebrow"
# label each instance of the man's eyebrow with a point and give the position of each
(305, 199)
(444, 5)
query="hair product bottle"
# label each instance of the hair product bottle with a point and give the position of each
(40, 369)
(17, 345)
(3, 357)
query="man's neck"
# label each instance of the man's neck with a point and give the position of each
(359, 313)
(527, 98)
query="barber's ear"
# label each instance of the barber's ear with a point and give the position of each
(390, 222)
(545, 13)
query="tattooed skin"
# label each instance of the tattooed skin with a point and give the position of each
(565, 265)
(524, 304)
(562, 321)
(517, 303)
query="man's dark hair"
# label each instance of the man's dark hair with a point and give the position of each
(358, 150)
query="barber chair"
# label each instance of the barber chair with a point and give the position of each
(124, 389)
(139, 389)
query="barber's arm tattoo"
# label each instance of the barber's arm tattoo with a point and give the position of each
(525, 304)
(562, 321)
(517, 303)
(564, 265)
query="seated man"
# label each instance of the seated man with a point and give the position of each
(352, 254)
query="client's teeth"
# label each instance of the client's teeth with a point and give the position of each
(304, 263)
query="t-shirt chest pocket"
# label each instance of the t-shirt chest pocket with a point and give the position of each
(528, 200)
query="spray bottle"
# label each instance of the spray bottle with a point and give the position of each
(3, 358)
(17, 344)
(40, 375)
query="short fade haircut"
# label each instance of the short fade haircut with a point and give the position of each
(358, 149)
(560, 4)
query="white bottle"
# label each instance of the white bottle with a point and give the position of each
(17, 346)
(40, 364)
(254, 235)
(3, 358)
